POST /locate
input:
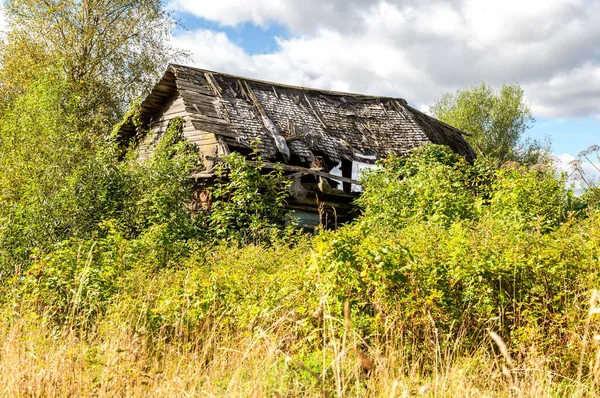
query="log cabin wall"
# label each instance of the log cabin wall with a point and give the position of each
(157, 126)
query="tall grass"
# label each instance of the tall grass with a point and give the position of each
(40, 360)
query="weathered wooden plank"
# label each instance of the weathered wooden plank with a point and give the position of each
(233, 141)
(288, 167)
(311, 200)
(223, 132)
(203, 175)
(198, 137)
(177, 107)
(185, 85)
(216, 129)
(198, 133)
(205, 111)
(197, 97)
(164, 121)
(163, 89)
(305, 219)
(167, 84)
(203, 141)
(210, 120)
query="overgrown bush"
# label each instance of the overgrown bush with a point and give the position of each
(247, 204)
(158, 191)
(57, 182)
(432, 184)
(438, 249)
(55, 177)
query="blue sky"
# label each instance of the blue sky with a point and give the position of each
(248, 36)
(568, 135)
(414, 49)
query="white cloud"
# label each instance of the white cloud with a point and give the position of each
(297, 15)
(417, 49)
(329, 60)
(577, 90)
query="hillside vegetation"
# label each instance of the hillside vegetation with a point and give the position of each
(456, 279)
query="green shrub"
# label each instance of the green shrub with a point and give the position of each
(76, 281)
(248, 205)
(55, 176)
(158, 191)
(532, 197)
(432, 184)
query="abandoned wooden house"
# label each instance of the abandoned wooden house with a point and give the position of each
(322, 138)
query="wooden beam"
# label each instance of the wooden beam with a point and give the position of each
(287, 167)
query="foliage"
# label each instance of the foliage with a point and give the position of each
(62, 183)
(109, 51)
(501, 249)
(432, 184)
(107, 257)
(54, 178)
(495, 121)
(534, 198)
(247, 204)
(441, 239)
(77, 281)
(158, 190)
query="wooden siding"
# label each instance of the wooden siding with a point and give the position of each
(205, 141)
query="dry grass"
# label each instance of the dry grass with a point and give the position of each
(38, 361)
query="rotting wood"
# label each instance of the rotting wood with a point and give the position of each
(204, 175)
(288, 167)
(223, 145)
(335, 125)
(316, 112)
(197, 135)
(194, 88)
(280, 142)
(203, 143)
(208, 119)
(213, 83)
(198, 97)
(254, 100)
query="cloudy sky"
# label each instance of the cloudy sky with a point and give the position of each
(414, 49)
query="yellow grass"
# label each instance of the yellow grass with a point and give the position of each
(38, 361)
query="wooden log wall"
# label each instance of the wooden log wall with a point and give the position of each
(206, 142)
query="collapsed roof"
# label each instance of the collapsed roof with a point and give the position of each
(295, 124)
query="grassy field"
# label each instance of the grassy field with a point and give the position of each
(39, 361)
(457, 279)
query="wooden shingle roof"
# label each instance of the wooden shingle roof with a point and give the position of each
(296, 121)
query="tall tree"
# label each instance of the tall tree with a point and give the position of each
(496, 121)
(109, 50)
(68, 70)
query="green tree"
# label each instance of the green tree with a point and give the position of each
(496, 122)
(110, 51)
(51, 173)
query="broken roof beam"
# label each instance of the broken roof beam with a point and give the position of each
(287, 167)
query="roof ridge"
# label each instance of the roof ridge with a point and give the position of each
(293, 87)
